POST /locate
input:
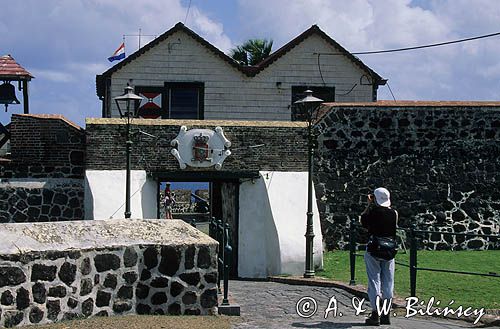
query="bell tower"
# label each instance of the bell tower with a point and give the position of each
(10, 73)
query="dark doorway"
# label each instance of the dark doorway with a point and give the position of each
(225, 206)
(200, 201)
(191, 201)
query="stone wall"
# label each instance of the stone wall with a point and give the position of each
(41, 200)
(139, 274)
(255, 146)
(439, 160)
(42, 179)
(45, 146)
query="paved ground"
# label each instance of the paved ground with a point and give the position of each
(273, 305)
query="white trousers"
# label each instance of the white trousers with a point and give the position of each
(380, 274)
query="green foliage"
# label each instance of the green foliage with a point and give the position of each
(466, 290)
(252, 52)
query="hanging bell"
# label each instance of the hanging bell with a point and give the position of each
(8, 94)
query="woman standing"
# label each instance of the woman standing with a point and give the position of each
(168, 202)
(381, 221)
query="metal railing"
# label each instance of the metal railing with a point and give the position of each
(220, 232)
(413, 236)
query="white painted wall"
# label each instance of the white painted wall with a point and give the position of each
(272, 216)
(272, 224)
(105, 194)
(229, 94)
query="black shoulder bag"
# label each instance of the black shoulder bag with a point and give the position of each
(382, 247)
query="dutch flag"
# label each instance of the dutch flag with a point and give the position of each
(118, 54)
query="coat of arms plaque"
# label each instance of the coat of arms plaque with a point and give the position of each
(200, 148)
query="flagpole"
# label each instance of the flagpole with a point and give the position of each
(140, 35)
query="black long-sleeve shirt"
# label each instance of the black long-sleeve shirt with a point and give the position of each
(380, 221)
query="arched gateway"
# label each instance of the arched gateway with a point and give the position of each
(258, 167)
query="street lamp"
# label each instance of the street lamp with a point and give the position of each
(124, 102)
(309, 105)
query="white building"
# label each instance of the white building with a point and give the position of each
(183, 76)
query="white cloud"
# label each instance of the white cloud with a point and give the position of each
(464, 71)
(52, 75)
(211, 30)
(66, 43)
(85, 68)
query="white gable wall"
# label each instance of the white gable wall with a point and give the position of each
(230, 94)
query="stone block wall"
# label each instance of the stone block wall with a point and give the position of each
(39, 200)
(278, 146)
(441, 162)
(42, 179)
(45, 146)
(51, 286)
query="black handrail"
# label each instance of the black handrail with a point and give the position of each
(228, 250)
(459, 234)
(458, 272)
(413, 262)
(413, 265)
(221, 232)
(352, 251)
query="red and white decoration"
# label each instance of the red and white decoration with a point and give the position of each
(151, 108)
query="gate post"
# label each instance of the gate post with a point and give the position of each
(220, 257)
(413, 261)
(352, 251)
(227, 261)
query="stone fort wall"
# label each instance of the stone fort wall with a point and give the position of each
(441, 162)
(45, 146)
(42, 180)
(41, 200)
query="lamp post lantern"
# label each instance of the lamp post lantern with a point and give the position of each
(127, 100)
(309, 105)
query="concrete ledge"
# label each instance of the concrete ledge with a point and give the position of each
(195, 123)
(230, 310)
(233, 309)
(52, 272)
(89, 234)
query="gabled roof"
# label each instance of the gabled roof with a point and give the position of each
(306, 34)
(11, 70)
(247, 70)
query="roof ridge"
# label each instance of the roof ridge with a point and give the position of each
(247, 70)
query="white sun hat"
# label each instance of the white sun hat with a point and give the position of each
(383, 197)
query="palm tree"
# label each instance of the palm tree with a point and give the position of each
(252, 52)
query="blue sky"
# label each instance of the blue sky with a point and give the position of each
(65, 43)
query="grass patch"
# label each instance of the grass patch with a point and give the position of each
(466, 290)
(145, 321)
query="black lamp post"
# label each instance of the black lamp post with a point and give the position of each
(127, 100)
(309, 105)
